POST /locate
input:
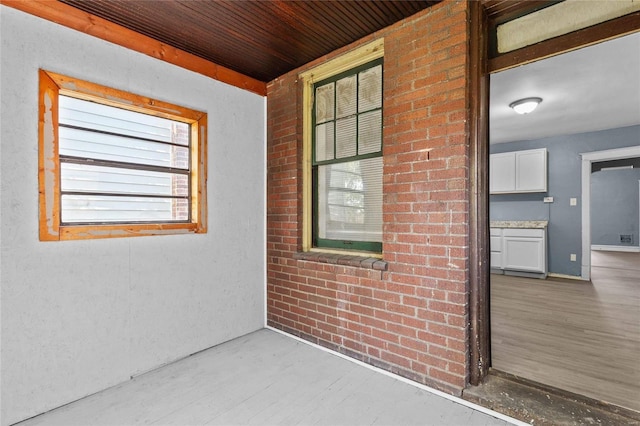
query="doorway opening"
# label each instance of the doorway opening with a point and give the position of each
(620, 200)
(550, 325)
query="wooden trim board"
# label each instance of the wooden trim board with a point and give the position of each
(76, 19)
(479, 251)
(581, 38)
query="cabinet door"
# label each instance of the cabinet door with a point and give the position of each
(502, 172)
(531, 170)
(524, 254)
(496, 248)
(496, 260)
(496, 243)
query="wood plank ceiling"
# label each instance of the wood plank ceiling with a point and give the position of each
(504, 10)
(258, 38)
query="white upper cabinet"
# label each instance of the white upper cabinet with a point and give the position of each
(531, 170)
(518, 171)
(502, 173)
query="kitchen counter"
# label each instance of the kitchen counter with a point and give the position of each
(521, 224)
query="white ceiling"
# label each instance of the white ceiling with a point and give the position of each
(590, 89)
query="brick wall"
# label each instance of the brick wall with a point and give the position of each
(412, 318)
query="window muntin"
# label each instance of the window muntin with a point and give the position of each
(347, 159)
(116, 164)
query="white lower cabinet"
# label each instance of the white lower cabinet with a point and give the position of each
(519, 250)
(496, 248)
(496, 260)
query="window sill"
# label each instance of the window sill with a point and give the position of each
(343, 259)
(89, 232)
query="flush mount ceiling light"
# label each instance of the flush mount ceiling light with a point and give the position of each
(526, 105)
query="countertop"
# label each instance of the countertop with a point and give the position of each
(524, 224)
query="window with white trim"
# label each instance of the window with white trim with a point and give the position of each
(114, 164)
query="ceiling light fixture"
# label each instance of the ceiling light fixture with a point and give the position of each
(526, 105)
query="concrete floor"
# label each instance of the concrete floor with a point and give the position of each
(267, 378)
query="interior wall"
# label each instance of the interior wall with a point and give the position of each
(80, 316)
(614, 206)
(407, 313)
(564, 182)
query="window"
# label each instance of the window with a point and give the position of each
(343, 153)
(347, 160)
(113, 164)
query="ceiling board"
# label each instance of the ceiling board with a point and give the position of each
(499, 11)
(260, 39)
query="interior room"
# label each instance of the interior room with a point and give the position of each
(555, 306)
(290, 212)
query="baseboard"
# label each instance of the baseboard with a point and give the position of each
(566, 277)
(631, 249)
(524, 274)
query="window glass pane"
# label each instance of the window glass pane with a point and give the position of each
(324, 103)
(100, 146)
(85, 178)
(346, 96)
(370, 89)
(350, 200)
(346, 137)
(121, 194)
(93, 208)
(324, 142)
(370, 132)
(91, 115)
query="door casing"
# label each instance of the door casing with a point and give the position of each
(482, 25)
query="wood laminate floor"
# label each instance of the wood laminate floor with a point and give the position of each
(583, 337)
(266, 378)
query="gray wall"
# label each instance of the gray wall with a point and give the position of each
(80, 316)
(564, 182)
(614, 206)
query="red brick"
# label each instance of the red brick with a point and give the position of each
(446, 377)
(388, 316)
(402, 330)
(396, 359)
(446, 330)
(413, 316)
(404, 351)
(373, 322)
(383, 335)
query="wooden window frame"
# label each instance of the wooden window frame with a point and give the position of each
(350, 60)
(51, 86)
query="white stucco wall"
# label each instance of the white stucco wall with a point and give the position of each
(80, 316)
